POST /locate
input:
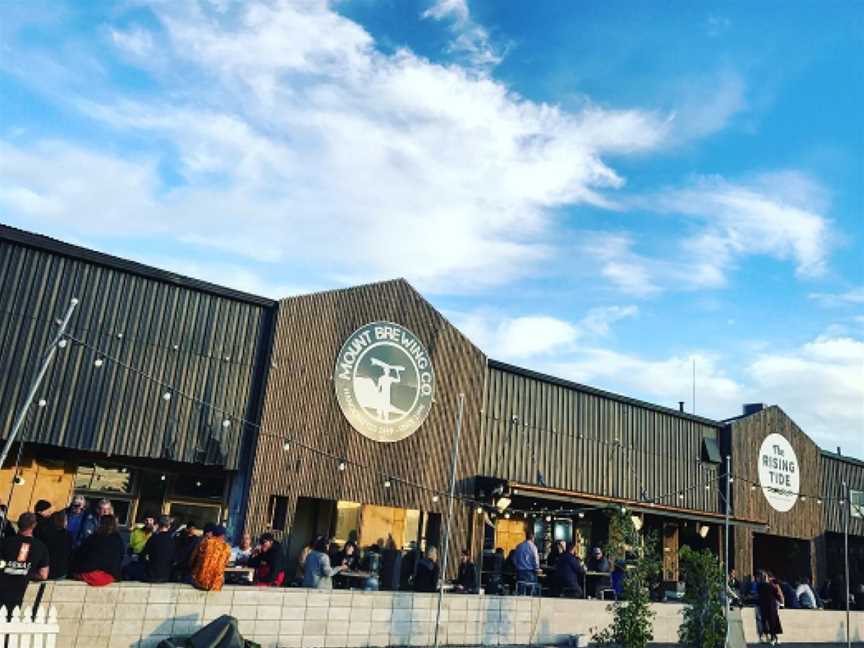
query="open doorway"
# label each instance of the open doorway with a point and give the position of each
(786, 558)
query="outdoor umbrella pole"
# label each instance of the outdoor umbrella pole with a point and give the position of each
(34, 387)
(455, 458)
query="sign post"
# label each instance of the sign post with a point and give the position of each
(846, 509)
(452, 491)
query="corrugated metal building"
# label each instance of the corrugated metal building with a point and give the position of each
(335, 378)
(104, 430)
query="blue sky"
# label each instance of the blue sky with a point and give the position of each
(603, 191)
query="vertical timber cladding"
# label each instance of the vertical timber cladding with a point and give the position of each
(835, 471)
(300, 401)
(804, 520)
(588, 441)
(137, 314)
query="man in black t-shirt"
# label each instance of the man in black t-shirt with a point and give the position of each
(158, 553)
(22, 558)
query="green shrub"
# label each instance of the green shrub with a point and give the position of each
(704, 623)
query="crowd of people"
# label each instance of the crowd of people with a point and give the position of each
(85, 543)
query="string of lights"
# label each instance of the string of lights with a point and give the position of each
(616, 444)
(288, 441)
(228, 355)
(342, 463)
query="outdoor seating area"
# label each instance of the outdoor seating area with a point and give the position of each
(140, 614)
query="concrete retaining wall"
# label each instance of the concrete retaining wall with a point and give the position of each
(137, 615)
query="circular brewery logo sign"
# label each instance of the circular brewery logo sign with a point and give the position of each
(779, 472)
(384, 381)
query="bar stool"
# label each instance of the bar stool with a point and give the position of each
(528, 588)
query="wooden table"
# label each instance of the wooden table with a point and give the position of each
(352, 579)
(247, 572)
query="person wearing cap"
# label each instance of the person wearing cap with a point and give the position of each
(599, 564)
(210, 559)
(44, 527)
(267, 561)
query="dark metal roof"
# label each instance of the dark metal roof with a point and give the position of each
(839, 457)
(528, 373)
(55, 246)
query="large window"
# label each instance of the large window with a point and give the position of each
(199, 514)
(103, 479)
(856, 504)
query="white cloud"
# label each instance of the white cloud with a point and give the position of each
(532, 336)
(470, 39)
(780, 216)
(707, 104)
(853, 296)
(820, 383)
(821, 386)
(296, 140)
(456, 9)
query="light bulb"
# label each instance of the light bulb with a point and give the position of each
(198, 484)
(42, 402)
(680, 496)
(166, 396)
(435, 498)
(506, 516)
(98, 362)
(162, 477)
(479, 510)
(581, 515)
(62, 343)
(548, 518)
(387, 483)
(226, 423)
(286, 446)
(341, 465)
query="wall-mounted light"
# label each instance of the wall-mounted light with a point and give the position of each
(703, 531)
(502, 503)
(637, 522)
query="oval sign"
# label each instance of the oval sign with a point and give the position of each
(384, 381)
(779, 472)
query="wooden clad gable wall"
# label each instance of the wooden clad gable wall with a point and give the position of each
(804, 520)
(582, 441)
(836, 471)
(138, 319)
(743, 438)
(300, 403)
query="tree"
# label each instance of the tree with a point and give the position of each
(632, 617)
(704, 623)
(623, 536)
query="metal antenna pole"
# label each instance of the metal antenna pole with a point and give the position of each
(846, 494)
(456, 436)
(34, 387)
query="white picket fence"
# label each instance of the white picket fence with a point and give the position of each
(25, 631)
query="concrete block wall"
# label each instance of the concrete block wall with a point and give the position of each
(138, 615)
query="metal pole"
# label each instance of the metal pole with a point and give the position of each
(847, 507)
(34, 387)
(455, 458)
(726, 541)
